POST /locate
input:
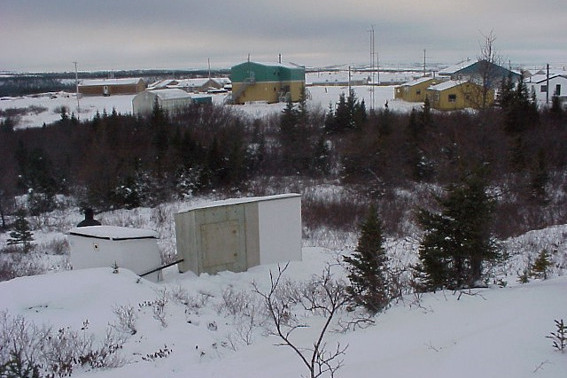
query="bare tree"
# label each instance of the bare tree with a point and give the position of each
(487, 62)
(323, 296)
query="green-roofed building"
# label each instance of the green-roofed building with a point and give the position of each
(270, 82)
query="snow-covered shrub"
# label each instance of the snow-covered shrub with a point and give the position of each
(55, 353)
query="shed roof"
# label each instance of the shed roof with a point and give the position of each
(113, 233)
(170, 93)
(243, 200)
(98, 82)
(446, 85)
(418, 81)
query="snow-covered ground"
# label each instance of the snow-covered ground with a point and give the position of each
(45, 108)
(496, 332)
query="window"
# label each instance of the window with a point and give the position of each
(452, 98)
(557, 90)
(543, 89)
(418, 92)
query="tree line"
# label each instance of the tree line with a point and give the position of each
(123, 161)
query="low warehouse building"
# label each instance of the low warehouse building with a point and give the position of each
(108, 87)
(108, 246)
(170, 100)
(270, 82)
(240, 233)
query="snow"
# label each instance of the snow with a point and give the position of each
(113, 232)
(496, 332)
(45, 108)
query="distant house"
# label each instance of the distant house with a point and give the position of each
(270, 82)
(108, 87)
(415, 90)
(457, 95)
(481, 72)
(544, 90)
(170, 100)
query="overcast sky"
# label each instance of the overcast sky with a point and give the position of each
(48, 35)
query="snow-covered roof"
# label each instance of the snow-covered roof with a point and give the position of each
(114, 233)
(457, 67)
(417, 81)
(126, 81)
(284, 65)
(170, 93)
(243, 200)
(446, 85)
(542, 78)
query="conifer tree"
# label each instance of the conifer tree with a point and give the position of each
(458, 240)
(367, 267)
(541, 265)
(21, 233)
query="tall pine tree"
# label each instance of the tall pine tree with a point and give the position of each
(367, 267)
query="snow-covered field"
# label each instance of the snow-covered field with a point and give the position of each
(46, 108)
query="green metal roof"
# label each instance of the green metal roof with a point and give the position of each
(266, 72)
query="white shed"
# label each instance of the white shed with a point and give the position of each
(237, 234)
(105, 246)
(170, 100)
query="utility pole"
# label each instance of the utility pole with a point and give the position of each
(547, 85)
(424, 55)
(77, 91)
(372, 67)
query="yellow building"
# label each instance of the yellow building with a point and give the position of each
(416, 90)
(270, 82)
(457, 95)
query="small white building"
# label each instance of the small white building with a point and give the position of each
(538, 84)
(237, 234)
(108, 246)
(170, 100)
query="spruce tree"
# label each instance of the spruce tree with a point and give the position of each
(21, 235)
(457, 240)
(367, 267)
(541, 265)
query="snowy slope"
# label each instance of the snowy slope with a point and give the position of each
(497, 332)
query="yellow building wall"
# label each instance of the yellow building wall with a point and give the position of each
(268, 91)
(467, 95)
(414, 93)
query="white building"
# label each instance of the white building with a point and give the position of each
(538, 84)
(108, 246)
(237, 234)
(170, 100)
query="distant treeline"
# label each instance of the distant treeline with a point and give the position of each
(115, 161)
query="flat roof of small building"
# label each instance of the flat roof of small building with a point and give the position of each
(113, 233)
(242, 200)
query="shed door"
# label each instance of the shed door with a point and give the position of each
(223, 240)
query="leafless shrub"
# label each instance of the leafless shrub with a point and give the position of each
(55, 246)
(158, 307)
(126, 317)
(56, 353)
(323, 296)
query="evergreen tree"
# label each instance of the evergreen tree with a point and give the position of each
(21, 235)
(541, 265)
(367, 267)
(458, 240)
